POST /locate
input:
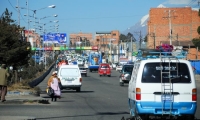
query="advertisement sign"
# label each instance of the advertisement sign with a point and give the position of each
(56, 38)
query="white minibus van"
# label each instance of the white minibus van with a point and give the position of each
(70, 77)
(162, 88)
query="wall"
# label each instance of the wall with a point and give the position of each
(184, 24)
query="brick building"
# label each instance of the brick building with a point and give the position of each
(33, 38)
(103, 39)
(182, 21)
(86, 39)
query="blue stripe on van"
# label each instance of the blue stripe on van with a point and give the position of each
(179, 108)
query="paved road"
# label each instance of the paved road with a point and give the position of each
(101, 98)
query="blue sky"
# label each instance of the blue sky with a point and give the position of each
(88, 16)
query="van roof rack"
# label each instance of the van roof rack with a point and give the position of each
(144, 54)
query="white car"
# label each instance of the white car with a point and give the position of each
(119, 67)
(80, 62)
(83, 71)
(114, 65)
(86, 65)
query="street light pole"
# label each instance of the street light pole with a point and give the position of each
(131, 48)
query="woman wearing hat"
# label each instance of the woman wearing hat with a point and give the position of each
(53, 82)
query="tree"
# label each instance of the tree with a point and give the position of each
(196, 42)
(145, 39)
(126, 38)
(122, 37)
(14, 51)
(198, 30)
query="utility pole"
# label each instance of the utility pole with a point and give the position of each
(177, 39)
(170, 25)
(18, 12)
(140, 39)
(131, 49)
(154, 41)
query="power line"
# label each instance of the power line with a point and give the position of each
(16, 10)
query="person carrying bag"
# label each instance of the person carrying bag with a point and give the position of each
(53, 85)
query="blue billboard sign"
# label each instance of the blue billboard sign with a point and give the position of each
(56, 38)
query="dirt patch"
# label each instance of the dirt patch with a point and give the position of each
(22, 88)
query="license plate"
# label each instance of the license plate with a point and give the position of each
(69, 81)
(167, 98)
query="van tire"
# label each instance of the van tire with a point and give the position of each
(78, 89)
(85, 75)
(109, 75)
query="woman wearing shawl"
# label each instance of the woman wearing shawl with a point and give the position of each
(53, 82)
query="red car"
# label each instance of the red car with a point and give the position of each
(104, 69)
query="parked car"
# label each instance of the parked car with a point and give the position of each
(126, 73)
(104, 69)
(83, 71)
(119, 67)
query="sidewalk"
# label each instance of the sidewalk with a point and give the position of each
(28, 98)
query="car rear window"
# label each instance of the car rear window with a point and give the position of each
(128, 69)
(104, 66)
(179, 73)
(69, 72)
(82, 68)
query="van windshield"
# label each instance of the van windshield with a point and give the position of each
(179, 73)
(69, 72)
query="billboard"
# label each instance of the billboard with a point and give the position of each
(56, 38)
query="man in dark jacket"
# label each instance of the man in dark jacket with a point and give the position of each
(3, 82)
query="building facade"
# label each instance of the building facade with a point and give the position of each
(81, 39)
(105, 40)
(172, 26)
(33, 38)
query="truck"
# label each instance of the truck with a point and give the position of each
(95, 59)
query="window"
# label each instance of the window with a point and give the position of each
(104, 66)
(69, 72)
(128, 69)
(179, 73)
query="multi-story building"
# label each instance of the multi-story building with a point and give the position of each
(81, 39)
(106, 39)
(33, 38)
(175, 26)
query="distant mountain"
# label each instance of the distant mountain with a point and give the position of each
(140, 26)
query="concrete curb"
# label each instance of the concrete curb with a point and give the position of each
(17, 97)
(17, 118)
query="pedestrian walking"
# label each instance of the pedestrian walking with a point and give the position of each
(53, 82)
(3, 82)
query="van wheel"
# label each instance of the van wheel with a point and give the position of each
(85, 75)
(78, 89)
(109, 75)
(90, 70)
(99, 75)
